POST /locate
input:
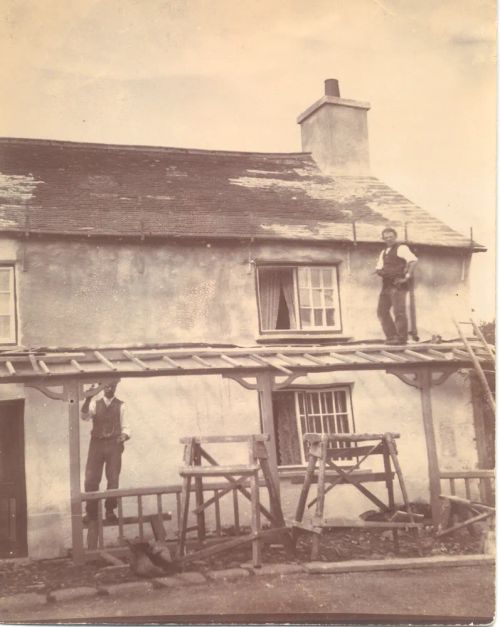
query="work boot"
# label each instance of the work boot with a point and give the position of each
(392, 341)
(111, 517)
(396, 341)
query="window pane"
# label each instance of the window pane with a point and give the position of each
(5, 327)
(315, 277)
(318, 317)
(331, 424)
(305, 297)
(317, 302)
(323, 396)
(330, 317)
(340, 402)
(303, 277)
(305, 317)
(345, 423)
(5, 279)
(309, 404)
(328, 298)
(315, 403)
(5, 301)
(327, 277)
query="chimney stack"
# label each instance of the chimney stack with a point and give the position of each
(335, 131)
(332, 87)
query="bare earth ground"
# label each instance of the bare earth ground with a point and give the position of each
(440, 596)
(339, 545)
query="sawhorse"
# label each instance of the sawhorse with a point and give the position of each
(237, 476)
(325, 450)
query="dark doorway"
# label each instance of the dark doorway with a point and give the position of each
(13, 518)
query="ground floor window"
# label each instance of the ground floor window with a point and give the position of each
(325, 410)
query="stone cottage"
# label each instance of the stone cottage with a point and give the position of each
(109, 245)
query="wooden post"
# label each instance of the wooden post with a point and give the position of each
(198, 491)
(73, 397)
(425, 384)
(483, 426)
(265, 388)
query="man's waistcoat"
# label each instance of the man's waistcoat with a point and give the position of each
(107, 419)
(394, 266)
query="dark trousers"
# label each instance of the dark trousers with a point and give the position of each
(103, 453)
(395, 298)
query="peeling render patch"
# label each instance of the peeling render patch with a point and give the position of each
(17, 187)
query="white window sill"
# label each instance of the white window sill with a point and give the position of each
(303, 336)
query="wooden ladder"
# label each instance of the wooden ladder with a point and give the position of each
(490, 351)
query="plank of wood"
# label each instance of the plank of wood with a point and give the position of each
(136, 360)
(112, 559)
(346, 437)
(267, 362)
(230, 544)
(218, 471)
(201, 361)
(224, 439)
(418, 355)
(77, 366)
(306, 527)
(467, 502)
(104, 360)
(368, 524)
(230, 360)
(129, 520)
(157, 527)
(395, 356)
(314, 359)
(301, 505)
(391, 447)
(171, 362)
(465, 523)
(399, 563)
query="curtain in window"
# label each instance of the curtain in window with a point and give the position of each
(272, 283)
(269, 290)
(287, 287)
(286, 429)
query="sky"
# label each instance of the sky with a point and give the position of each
(235, 74)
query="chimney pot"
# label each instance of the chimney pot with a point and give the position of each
(332, 87)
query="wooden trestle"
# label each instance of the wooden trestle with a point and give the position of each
(325, 450)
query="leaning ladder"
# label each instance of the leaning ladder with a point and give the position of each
(474, 358)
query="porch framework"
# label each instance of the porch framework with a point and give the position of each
(62, 374)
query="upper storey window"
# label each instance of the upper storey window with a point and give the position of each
(298, 298)
(7, 305)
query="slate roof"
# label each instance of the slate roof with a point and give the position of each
(58, 187)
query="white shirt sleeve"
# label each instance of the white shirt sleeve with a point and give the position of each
(123, 421)
(91, 413)
(405, 253)
(380, 262)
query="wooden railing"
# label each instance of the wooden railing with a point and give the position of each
(472, 484)
(167, 505)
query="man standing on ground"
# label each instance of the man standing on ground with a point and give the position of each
(109, 432)
(395, 265)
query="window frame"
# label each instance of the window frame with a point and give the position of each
(300, 329)
(347, 388)
(13, 312)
